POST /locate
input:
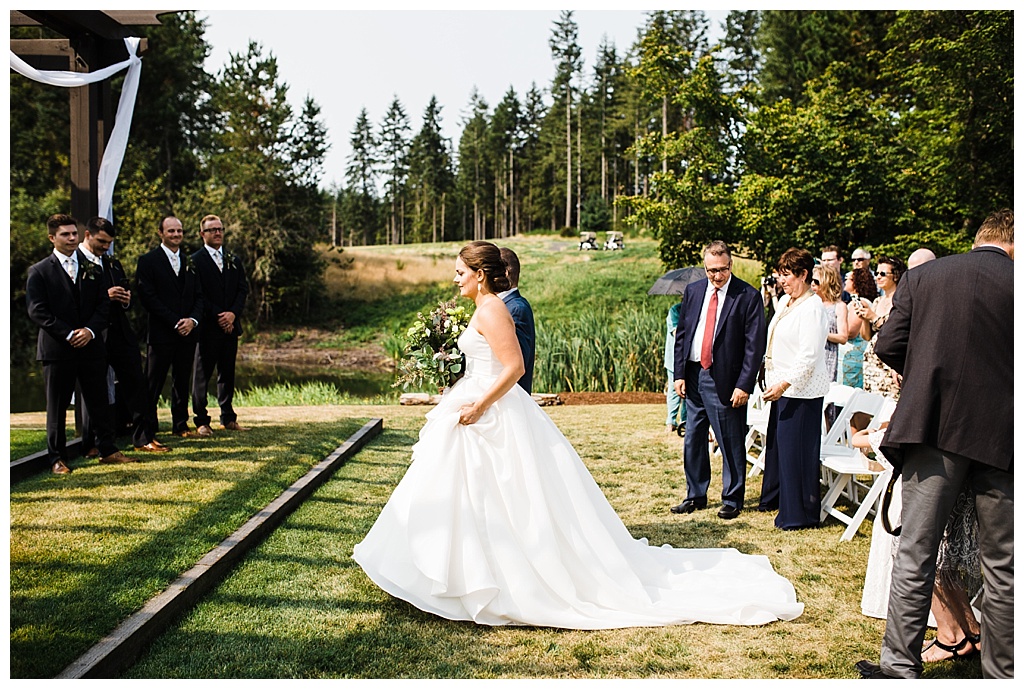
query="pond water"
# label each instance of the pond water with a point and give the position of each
(27, 393)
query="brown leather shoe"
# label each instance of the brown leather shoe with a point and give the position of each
(183, 434)
(232, 426)
(93, 453)
(159, 445)
(117, 458)
(204, 431)
(153, 446)
(60, 468)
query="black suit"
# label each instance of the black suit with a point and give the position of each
(222, 291)
(59, 306)
(131, 393)
(168, 298)
(737, 351)
(522, 316)
(950, 335)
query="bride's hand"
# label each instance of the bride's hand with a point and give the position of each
(469, 413)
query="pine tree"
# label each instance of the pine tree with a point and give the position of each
(361, 176)
(567, 54)
(394, 156)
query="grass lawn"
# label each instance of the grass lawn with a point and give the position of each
(299, 607)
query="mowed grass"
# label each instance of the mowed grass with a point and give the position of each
(299, 607)
(89, 549)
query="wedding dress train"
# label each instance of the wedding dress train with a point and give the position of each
(500, 522)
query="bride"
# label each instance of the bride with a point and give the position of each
(498, 521)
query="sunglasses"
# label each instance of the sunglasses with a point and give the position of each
(882, 274)
(860, 259)
(815, 282)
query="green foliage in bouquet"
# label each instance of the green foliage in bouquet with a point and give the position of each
(432, 357)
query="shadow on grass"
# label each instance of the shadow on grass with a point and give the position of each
(73, 582)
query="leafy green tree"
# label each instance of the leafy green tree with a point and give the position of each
(265, 169)
(393, 148)
(799, 45)
(950, 77)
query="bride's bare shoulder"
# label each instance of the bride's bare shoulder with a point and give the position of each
(492, 313)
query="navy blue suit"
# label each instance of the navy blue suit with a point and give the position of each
(522, 316)
(737, 352)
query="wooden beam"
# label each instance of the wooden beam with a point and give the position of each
(123, 17)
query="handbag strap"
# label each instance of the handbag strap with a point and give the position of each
(887, 503)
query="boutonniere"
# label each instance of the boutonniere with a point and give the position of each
(229, 259)
(189, 265)
(90, 271)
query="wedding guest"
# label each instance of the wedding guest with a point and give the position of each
(832, 257)
(675, 422)
(826, 285)
(67, 299)
(131, 394)
(222, 277)
(860, 285)
(718, 354)
(172, 294)
(878, 377)
(796, 380)
(950, 335)
(522, 316)
(919, 257)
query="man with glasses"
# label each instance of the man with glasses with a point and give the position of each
(832, 257)
(718, 353)
(224, 291)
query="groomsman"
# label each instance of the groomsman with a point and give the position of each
(718, 353)
(131, 395)
(170, 291)
(67, 299)
(224, 291)
(522, 316)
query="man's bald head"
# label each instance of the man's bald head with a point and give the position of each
(920, 256)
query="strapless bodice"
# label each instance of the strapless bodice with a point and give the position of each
(480, 359)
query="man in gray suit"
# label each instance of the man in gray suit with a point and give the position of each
(522, 316)
(950, 335)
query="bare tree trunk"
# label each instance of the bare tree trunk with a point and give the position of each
(568, 156)
(442, 214)
(579, 161)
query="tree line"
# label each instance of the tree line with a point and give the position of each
(883, 129)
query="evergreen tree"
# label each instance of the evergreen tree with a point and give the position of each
(742, 54)
(474, 176)
(504, 141)
(567, 54)
(431, 179)
(361, 176)
(394, 155)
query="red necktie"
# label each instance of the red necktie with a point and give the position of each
(709, 331)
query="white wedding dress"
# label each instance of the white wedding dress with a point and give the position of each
(499, 522)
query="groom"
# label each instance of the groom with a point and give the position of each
(522, 316)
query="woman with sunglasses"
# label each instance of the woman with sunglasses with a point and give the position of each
(878, 377)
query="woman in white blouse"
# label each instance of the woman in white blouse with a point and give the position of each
(796, 381)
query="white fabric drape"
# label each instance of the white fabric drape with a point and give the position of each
(113, 154)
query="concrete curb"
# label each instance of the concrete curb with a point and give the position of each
(39, 461)
(123, 646)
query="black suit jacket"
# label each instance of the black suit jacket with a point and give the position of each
(120, 333)
(950, 334)
(222, 291)
(168, 297)
(522, 316)
(739, 344)
(59, 306)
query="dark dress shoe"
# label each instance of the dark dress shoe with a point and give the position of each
(869, 670)
(729, 512)
(117, 458)
(689, 505)
(152, 447)
(768, 507)
(60, 468)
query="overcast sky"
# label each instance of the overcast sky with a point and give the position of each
(350, 59)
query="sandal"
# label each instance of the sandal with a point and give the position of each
(955, 649)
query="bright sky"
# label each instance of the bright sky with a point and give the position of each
(350, 59)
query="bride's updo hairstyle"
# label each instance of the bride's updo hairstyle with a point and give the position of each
(487, 257)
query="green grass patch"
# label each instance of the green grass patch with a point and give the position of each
(299, 607)
(89, 549)
(27, 441)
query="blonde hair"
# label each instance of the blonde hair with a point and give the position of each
(829, 285)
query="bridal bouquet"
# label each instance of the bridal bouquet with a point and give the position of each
(432, 356)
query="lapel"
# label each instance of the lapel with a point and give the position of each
(61, 277)
(730, 302)
(692, 315)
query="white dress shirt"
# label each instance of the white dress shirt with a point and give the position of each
(174, 257)
(217, 256)
(698, 334)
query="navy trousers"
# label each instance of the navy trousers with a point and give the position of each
(704, 408)
(792, 463)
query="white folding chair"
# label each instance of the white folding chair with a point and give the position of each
(758, 412)
(842, 464)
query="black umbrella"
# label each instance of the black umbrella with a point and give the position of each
(675, 281)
